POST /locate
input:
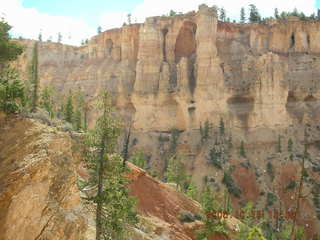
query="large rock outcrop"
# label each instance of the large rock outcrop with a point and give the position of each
(170, 75)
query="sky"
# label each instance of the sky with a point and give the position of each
(78, 20)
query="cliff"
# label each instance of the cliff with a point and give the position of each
(170, 75)
(39, 197)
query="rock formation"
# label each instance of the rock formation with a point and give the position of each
(172, 74)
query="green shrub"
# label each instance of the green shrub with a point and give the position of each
(186, 216)
(230, 184)
(271, 198)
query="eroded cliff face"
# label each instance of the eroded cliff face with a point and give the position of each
(169, 76)
(39, 198)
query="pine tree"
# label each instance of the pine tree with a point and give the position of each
(242, 15)
(290, 145)
(46, 100)
(276, 13)
(78, 110)
(242, 150)
(34, 78)
(176, 171)
(59, 37)
(279, 149)
(138, 158)
(212, 224)
(254, 15)
(221, 127)
(129, 18)
(222, 16)
(99, 29)
(115, 209)
(40, 37)
(69, 109)
(192, 191)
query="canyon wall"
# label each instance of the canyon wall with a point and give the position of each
(171, 75)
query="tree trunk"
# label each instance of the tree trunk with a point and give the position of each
(100, 190)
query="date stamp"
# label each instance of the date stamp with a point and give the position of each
(254, 214)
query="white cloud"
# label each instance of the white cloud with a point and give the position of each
(157, 8)
(27, 22)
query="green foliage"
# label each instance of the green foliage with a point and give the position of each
(270, 170)
(204, 131)
(34, 78)
(279, 149)
(222, 15)
(242, 15)
(138, 158)
(285, 233)
(115, 209)
(47, 101)
(254, 15)
(68, 114)
(11, 90)
(230, 184)
(290, 145)
(172, 13)
(9, 50)
(99, 29)
(188, 217)
(276, 13)
(215, 156)
(271, 198)
(175, 133)
(192, 191)
(242, 151)
(212, 225)
(221, 127)
(291, 185)
(249, 230)
(176, 171)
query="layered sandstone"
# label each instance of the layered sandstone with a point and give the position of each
(171, 74)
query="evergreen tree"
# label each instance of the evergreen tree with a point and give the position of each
(222, 16)
(99, 29)
(242, 150)
(59, 37)
(176, 171)
(40, 37)
(129, 18)
(221, 127)
(115, 209)
(212, 224)
(172, 13)
(318, 13)
(254, 15)
(69, 109)
(290, 145)
(276, 13)
(46, 100)
(138, 158)
(192, 191)
(242, 15)
(78, 110)
(11, 89)
(34, 77)
(279, 149)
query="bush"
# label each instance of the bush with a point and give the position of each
(229, 182)
(291, 185)
(42, 116)
(186, 216)
(271, 198)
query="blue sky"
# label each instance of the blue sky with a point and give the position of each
(78, 20)
(90, 10)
